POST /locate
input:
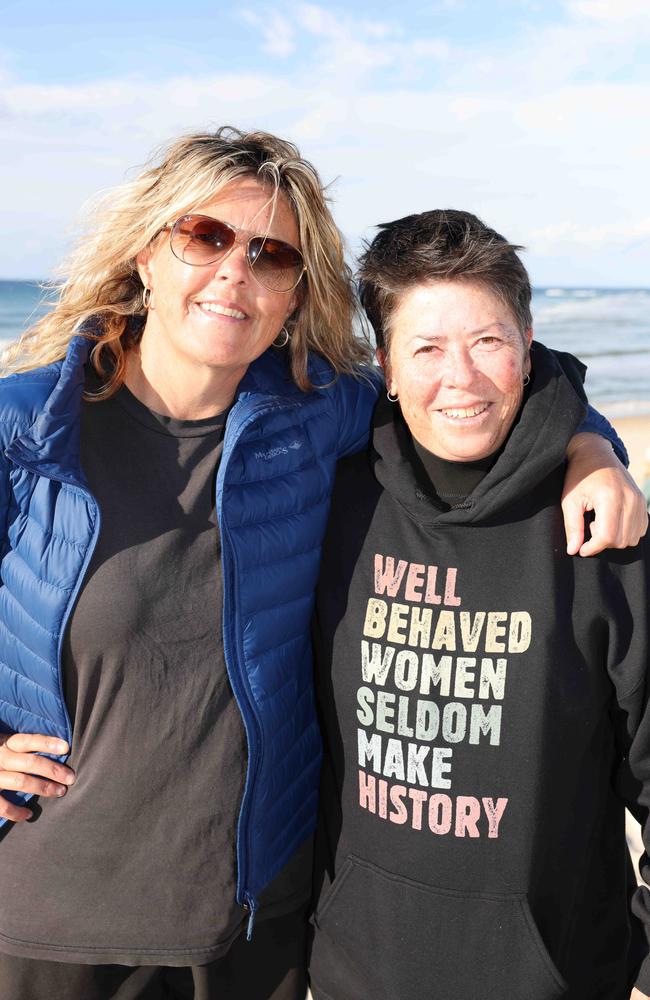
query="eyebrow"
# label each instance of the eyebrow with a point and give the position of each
(505, 327)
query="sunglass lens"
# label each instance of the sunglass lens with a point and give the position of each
(199, 240)
(277, 265)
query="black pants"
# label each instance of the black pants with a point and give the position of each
(270, 967)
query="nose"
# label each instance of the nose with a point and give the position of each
(234, 266)
(459, 371)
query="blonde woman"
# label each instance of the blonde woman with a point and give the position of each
(169, 439)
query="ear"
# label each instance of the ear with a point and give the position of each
(528, 339)
(295, 301)
(384, 364)
(143, 263)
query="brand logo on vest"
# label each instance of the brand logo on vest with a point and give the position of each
(266, 456)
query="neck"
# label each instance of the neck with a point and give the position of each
(452, 481)
(192, 394)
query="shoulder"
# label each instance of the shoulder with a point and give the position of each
(363, 383)
(620, 578)
(355, 497)
(270, 374)
(22, 398)
(353, 470)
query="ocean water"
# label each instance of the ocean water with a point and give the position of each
(608, 329)
(20, 305)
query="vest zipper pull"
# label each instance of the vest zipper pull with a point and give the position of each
(251, 906)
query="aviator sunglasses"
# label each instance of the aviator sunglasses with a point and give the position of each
(200, 239)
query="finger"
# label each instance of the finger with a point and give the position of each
(31, 763)
(13, 812)
(574, 525)
(616, 528)
(36, 743)
(605, 534)
(638, 522)
(591, 548)
(17, 781)
(633, 520)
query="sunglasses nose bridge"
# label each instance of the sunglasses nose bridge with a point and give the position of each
(232, 260)
(250, 250)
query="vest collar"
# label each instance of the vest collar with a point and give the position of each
(50, 447)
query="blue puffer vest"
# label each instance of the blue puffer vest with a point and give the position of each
(273, 492)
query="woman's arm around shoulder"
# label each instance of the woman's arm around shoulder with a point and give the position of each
(596, 481)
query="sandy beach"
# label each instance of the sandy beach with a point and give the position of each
(635, 432)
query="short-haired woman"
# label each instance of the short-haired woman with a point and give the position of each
(483, 694)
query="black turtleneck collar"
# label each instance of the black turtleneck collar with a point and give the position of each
(452, 482)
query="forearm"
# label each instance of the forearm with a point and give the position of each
(596, 423)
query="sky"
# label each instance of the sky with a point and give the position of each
(534, 115)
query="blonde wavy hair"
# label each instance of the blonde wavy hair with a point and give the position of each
(102, 281)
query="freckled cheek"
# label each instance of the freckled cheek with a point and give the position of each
(174, 297)
(418, 395)
(512, 386)
(415, 379)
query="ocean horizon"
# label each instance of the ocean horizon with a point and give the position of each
(607, 328)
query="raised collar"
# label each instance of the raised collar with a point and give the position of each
(51, 445)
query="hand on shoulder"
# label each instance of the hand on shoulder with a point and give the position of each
(597, 481)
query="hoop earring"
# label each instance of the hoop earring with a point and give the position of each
(392, 399)
(526, 379)
(146, 297)
(282, 343)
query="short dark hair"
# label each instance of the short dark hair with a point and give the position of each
(442, 245)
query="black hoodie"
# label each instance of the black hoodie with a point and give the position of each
(483, 699)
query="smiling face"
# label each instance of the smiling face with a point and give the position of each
(217, 316)
(457, 361)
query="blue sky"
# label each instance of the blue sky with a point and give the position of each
(534, 115)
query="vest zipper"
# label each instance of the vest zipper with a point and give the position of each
(236, 673)
(251, 908)
(72, 600)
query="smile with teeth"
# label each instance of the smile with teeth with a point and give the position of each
(458, 413)
(214, 307)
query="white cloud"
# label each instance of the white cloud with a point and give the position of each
(609, 10)
(352, 48)
(568, 235)
(320, 21)
(521, 134)
(150, 104)
(277, 32)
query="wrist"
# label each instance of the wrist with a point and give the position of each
(589, 441)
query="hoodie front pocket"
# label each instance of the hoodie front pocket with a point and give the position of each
(383, 937)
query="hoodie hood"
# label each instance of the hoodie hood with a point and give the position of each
(553, 408)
